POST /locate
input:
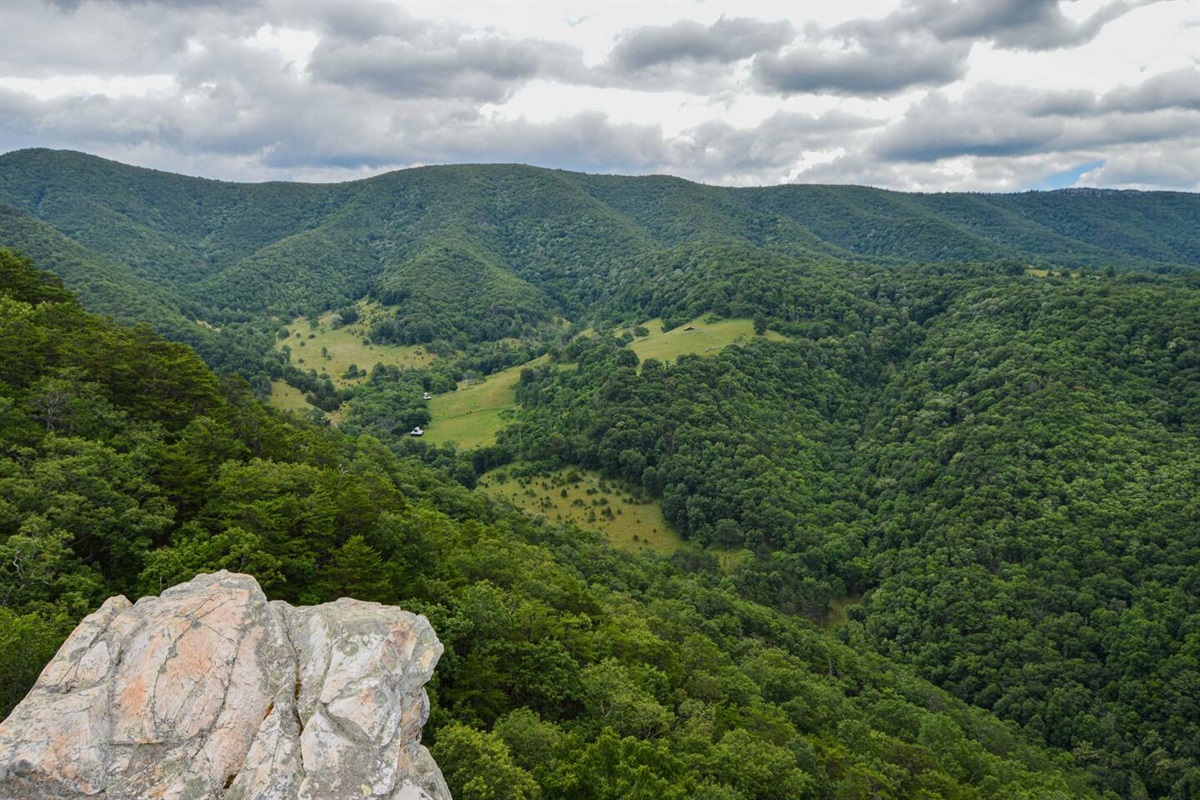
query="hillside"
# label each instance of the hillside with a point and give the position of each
(1006, 495)
(570, 670)
(960, 431)
(540, 242)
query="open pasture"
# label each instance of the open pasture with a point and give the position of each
(623, 515)
(696, 337)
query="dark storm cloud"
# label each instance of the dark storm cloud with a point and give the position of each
(884, 69)
(723, 42)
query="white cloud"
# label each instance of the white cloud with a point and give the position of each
(929, 95)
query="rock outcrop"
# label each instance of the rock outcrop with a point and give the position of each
(210, 691)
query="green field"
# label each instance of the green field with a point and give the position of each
(622, 515)
(333, 350)
(288, 398)
(471, 416)
(703, 338)
(328, 349)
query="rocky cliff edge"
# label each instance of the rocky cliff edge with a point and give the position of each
(211, 691)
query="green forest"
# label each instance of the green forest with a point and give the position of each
(941, 526)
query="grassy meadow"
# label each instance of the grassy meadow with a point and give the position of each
(288, 398)
(704, 338)
(472, 416)
(328, 349)
(333, 350)
(622, 515)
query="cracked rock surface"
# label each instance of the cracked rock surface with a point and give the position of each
(209, 691)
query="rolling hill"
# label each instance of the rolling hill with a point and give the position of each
(540, 242)
(961, 430)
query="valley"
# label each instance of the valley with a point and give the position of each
(896, 492)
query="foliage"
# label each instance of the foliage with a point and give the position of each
(970, 420)
(1012, 482)
(570, 670)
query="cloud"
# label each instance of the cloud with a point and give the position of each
(288, 130)
(983, 123)
(1128, 130)
(488, 70)
(766, 153)
(1016, 24)
(588, 142)
(1170, 165)
(922, 44)
(879, 69)
(92, 38)
(998, 121)
(401, 56)
(372, 46)
(1176, 89)
(1009, 24)
(271, 89)
(724, 42)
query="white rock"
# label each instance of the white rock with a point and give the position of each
(209, 691)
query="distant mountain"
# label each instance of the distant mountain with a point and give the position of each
(106, 285)
(537, 242)
(970, 435)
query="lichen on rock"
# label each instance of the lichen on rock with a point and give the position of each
(211, 691)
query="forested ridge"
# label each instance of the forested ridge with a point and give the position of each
(570, 670)
(968, 450)
(547, 242)
(1016, 500)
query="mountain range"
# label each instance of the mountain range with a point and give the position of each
(964, 441)
(523, 241)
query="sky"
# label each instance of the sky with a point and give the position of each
(978, 95)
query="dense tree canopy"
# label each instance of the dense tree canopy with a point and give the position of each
(570, 670)
(1014, 485)
(964, 439)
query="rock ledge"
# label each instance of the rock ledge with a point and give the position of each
(210, 691)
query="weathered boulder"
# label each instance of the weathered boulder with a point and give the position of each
(210, 691)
